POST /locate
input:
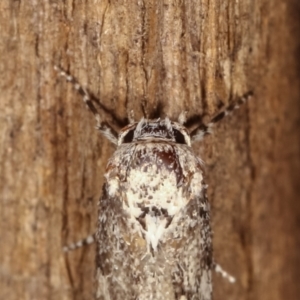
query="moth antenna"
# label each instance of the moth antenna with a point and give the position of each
(219, 269)
(203, 129)
(102, 125)
(86, 241)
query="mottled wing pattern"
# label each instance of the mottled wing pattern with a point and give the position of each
(154, 239)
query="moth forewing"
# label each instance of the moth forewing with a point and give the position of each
(153, 237)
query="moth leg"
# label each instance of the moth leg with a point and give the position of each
(182, 117)
(203, 129)
(81, 243)
(102, 125)
(131, 117)
(218, 269)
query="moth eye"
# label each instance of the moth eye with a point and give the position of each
(128, 138)
(179, 137)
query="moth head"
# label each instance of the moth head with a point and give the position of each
(155, 130)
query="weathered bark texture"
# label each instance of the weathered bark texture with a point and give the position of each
(156, 58)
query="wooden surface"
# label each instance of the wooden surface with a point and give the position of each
(156, 58)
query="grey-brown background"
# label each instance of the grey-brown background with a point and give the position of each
(148, 56)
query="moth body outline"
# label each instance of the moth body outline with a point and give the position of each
(153, 235)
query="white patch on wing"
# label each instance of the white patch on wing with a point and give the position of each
(155, 186)
(205, 284)
(113, 186)
(155, 229)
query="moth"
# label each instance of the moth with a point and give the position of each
(153, 235)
